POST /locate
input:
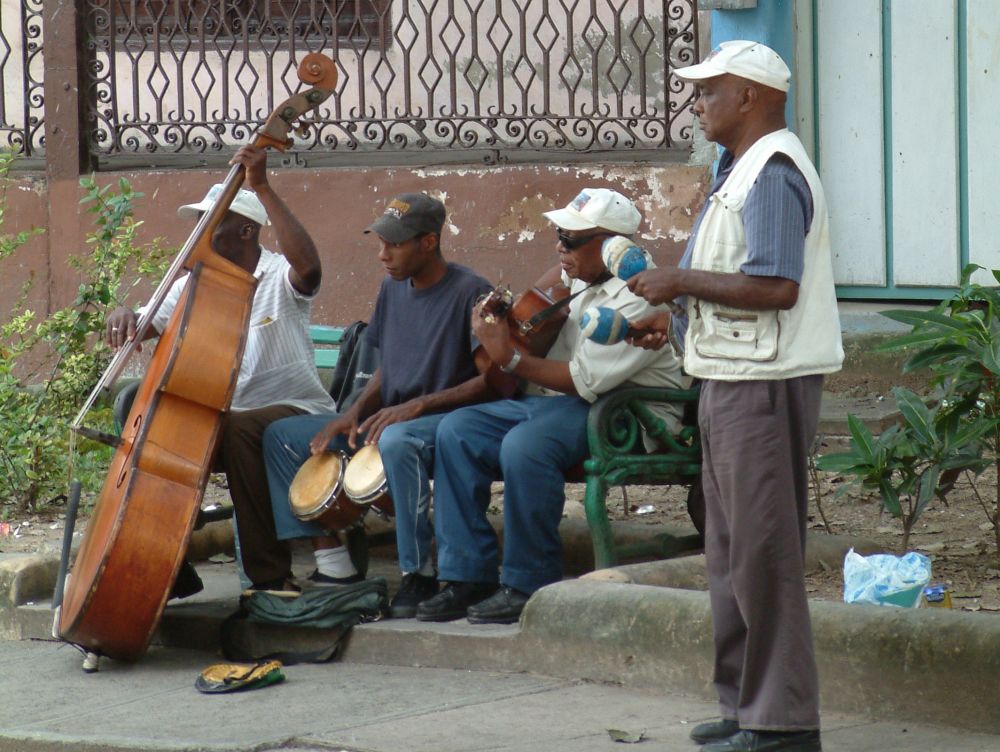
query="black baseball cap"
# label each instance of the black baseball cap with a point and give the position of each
(407, 215)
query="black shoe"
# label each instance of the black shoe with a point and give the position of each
(768, 741)
(453, 602)
(503, 607)
(714, 731)
(282, 587)
(187, 582)
(414, 589)
(324, 580)
(356, 542)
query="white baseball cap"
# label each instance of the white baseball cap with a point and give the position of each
(246, 204)
(743, 58)
(598, 207)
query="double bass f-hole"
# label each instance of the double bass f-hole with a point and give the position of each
(126, 464)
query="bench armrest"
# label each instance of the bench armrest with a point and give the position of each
(614, 433)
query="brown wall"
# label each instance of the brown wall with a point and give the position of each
(27, 207)
(495, 223)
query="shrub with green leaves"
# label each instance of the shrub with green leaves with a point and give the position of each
(957, 430)
(50, 363)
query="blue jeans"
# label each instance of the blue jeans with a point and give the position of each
(407, 451)
(529, 443)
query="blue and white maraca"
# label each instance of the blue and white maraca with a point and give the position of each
(623, 257)
(603, 325)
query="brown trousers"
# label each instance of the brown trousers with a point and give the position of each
(756, 439)
(241, 457)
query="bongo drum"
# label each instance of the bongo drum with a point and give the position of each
(317, 492)
(365, 483)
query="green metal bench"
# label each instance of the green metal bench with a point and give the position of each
(618, 458)
(327, 340)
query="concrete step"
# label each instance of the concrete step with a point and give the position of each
(923, 665)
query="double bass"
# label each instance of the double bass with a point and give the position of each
(135, 543)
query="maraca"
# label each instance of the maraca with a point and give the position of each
(603, 325)
(624, 258)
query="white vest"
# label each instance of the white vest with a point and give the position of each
(731, 344)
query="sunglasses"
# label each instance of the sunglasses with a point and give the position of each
(572, 243)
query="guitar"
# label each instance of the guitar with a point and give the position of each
(535, 318)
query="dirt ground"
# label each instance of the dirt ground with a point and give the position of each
(958, 537)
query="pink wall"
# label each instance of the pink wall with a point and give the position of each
(495, 223)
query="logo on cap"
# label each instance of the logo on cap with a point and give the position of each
(397, 208)
(580, 201)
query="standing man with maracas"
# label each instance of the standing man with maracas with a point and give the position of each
(762, 329)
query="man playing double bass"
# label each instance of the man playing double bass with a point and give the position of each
(277, 376)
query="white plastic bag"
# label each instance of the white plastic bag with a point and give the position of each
(885, 580)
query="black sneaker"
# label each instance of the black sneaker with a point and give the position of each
(324, 580)
(503, 607)
(414, 589)
(453, 602)
(714, 731)
(768, 741)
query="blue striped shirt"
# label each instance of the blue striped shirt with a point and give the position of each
(777, 216)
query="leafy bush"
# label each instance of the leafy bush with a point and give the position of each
(956, 431)
(50, 363)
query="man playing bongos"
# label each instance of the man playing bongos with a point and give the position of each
(421, 327)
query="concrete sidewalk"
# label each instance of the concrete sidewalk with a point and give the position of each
(48, 704)
(587, 656)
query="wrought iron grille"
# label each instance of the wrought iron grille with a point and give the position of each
(416, 76)
(21, 66)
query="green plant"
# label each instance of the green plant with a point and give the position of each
(50, 362)
(957, 430)
(906, 462)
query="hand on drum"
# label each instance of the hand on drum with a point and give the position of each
(374, 425)
(347, 423)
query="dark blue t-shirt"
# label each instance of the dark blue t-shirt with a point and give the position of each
(424, 336)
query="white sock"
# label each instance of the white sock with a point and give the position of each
(427, 570)
(334, 562)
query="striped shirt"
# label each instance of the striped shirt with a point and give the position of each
(278, 366)
(777, 216)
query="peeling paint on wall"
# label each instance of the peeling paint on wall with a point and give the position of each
(496, 222)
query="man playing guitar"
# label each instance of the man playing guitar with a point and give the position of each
(530, 441)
